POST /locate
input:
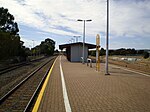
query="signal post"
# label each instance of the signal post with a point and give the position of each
(97, 52)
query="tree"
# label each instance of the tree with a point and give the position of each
(130, 51)
(146, 55)
(93, 53)
(56, 51)
(102, 52)
(10, 44)
(47, 47)
(140, 51)
(7, 23)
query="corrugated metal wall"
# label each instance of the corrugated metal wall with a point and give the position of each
(76, 53)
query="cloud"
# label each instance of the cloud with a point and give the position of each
(128, 18)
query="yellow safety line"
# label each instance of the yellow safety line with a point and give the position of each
(36, 106)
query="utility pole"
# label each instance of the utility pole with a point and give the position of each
(107, 42)
(33, 48)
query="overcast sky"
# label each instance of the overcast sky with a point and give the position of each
(57, 19)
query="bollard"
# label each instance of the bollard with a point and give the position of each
(81, 59)
(89, 60)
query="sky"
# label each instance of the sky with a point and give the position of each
(57, 19)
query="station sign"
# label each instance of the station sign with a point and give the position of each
(97, 40)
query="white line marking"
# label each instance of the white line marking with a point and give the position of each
(66, 100)
(131, 71)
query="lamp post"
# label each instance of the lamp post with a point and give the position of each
(70, 41)
(107, 35)
(33, 43)
(33, 48)
(84, 37)
(76, 38)
(73, 40)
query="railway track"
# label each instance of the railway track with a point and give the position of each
(10, 68)
(21, 96)
(5, 70)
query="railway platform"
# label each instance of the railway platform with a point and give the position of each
(75, 87)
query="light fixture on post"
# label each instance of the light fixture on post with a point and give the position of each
(76, 38)
(73, 40)
(84, 37)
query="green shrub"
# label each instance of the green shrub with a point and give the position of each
(146, 55)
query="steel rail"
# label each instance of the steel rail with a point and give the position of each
(8, 69)
(2, 99)
(36, 91)
(13, 67)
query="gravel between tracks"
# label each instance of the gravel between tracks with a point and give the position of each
(10, 79)
(18, 100)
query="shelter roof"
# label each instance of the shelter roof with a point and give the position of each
(90, 46)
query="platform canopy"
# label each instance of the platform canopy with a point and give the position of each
(90, 46)
(74, 51)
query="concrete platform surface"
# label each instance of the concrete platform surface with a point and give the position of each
(92, 91)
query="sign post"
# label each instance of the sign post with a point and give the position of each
(97, 52)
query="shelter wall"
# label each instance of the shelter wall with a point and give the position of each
(76, 53)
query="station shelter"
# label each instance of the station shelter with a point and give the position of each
(74, 51)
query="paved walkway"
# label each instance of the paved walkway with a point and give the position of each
(92, 91)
